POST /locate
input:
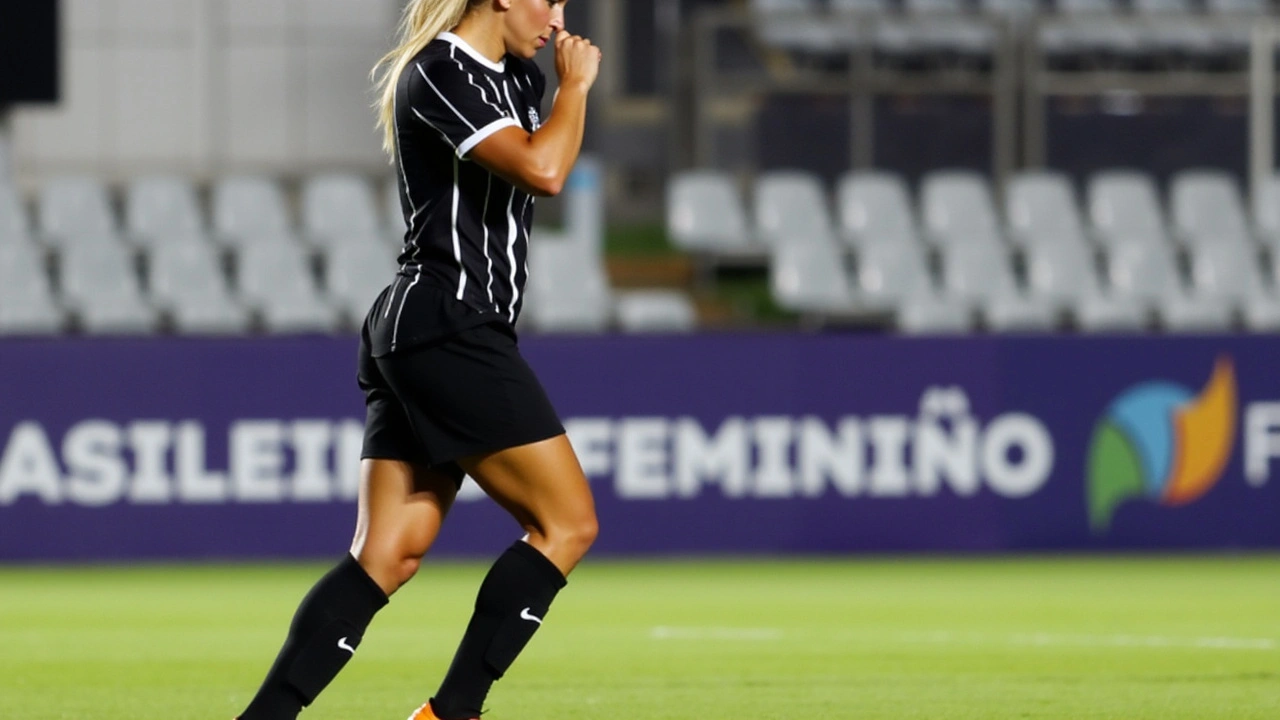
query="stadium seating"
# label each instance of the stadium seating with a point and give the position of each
(355, 272)
(853, 250)
(249, 208)
(27, 303)
(875, 207)
(705, 215)
(655, 311)
(957, 207)
(585, 305)
(1206, 209)
(159, 208)
(338, 208)
(1041, 207)
(276, 280)
(186, 280)
(100, 284)
(1124, 207)
(75, 209)
(810, 278)
(791, 208)
(14, 226)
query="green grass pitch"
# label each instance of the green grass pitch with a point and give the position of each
(943, 639)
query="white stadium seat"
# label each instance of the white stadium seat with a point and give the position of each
(73, 207)
(1041, 208)
(338, 208)
(810, 278)
(187, 280)
(655, 311)
(875, 207)
(247, 208)
(100, 283)
(791, 207)
(957, 208)
(27, 304)
(1207, 209)
(705, 214)
(159, 208)
(553, 305)
(355, 273)
(1124, 207)
(276, 279)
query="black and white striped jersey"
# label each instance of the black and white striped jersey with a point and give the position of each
(464, 257)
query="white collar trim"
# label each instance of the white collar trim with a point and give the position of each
(461, 44)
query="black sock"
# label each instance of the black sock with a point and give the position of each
(513, 599)
(324, 634)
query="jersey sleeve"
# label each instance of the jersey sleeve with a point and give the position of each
(464, 107)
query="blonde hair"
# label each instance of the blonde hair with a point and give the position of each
(423, 20)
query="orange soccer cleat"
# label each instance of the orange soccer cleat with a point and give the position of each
(425, 713)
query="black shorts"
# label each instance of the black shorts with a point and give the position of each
(466, 394)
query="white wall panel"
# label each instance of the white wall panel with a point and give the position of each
(338, 117)
(74, 131)
(254, 114)
(156, 106)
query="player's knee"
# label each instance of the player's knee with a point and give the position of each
(580, 534)
(389, 567)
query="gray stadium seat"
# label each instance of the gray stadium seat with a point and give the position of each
(186, 280)
(1124, 207)
(72, 207)
(1041, 208)
(705, 214)
(957, 208)
(799, 25)
(1086, 27)
(791, 207)
(929, 314)
(1061, 273)
(1108, 313)
(1266, 211)
(100, 283)
(809, 278)
(553, 305)
(875, 207)
(161, 207)
(1226, 270)
(981, 273)
(355, 273)
(247, 208)
(338, 208)
(276, 279)
(1146, 273)
(1206, 208)
(14, 226)
(27, 304)
(889, 274)
(643, 311)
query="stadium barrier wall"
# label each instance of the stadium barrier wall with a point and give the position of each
(114, 449)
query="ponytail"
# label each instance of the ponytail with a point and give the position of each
(423, 20)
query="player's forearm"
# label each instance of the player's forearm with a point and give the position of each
(557, 143)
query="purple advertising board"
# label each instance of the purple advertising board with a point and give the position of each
(756, 443)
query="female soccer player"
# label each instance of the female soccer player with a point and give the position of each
(446, 389)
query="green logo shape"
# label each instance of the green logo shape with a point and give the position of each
(1115, 474)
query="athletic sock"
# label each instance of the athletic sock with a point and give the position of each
(512, 601)
(323, 636)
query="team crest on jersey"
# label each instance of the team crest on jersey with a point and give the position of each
(534, 120)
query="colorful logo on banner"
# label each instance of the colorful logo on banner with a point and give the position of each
(1161, 442)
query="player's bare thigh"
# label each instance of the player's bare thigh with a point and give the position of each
(542, 485)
